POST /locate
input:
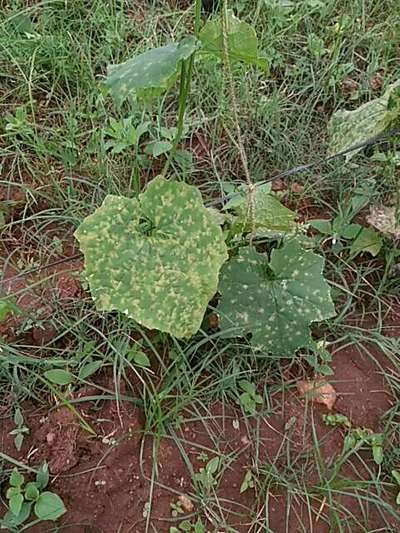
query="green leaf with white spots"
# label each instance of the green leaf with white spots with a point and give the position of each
(274, 300)
(153, 70)
(349, 128)
(241, 39)
(271, 218)
(156, 258)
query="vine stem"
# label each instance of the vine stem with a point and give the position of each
(184, 91)
(232, 94)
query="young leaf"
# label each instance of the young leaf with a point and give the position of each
(377, 453)
(153, 69)
(241, 38)
(42, 476)
(274, 301)
(156, 259)
(157, 148)
(140, 358)
(10, 520)
(369, 241)
(59, 376)
(321, 225)
(247, 386)
(8, 307)
(212, 465)
(15, 502)
(18, 418)
(16, 479)
(348, 128)
(351, 231)
(89, 369)
(49, 506)
(199, 527)
(18, 441)
(396, 476)
(31, 491)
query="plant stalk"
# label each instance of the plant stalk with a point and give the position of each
(184, 91)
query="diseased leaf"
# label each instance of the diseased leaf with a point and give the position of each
(156, 258)
(383, 218)
(369, 241)
(348, 128)
(154, 69)
(242, 41)
(271, 218)
(274, 300)
(318, 391)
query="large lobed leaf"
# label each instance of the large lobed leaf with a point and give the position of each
(156, 259)
(349, 128)
(241, 39)
(274, 300)
(152, 70)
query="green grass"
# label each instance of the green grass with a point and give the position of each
(53, 162)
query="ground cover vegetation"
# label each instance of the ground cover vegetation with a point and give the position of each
(197, 333)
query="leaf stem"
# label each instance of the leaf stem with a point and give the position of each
(184, 91)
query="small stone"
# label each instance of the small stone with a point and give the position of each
(186, 502)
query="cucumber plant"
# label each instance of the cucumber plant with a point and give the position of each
(158, 257)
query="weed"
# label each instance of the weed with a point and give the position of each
(20, 430)
(22, 496)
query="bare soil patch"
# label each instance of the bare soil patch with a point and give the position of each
(106, 480)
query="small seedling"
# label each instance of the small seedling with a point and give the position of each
(248, 482)
(176, 509)
(336, 420)
(249, 399)
(23, 497)
(8, 307)
(18, 124)
(20, 431)
(123, 134)
(187, 526)
(357, 437)
(206, 476)
(341, 231)
(203, 457)
(137, 356)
